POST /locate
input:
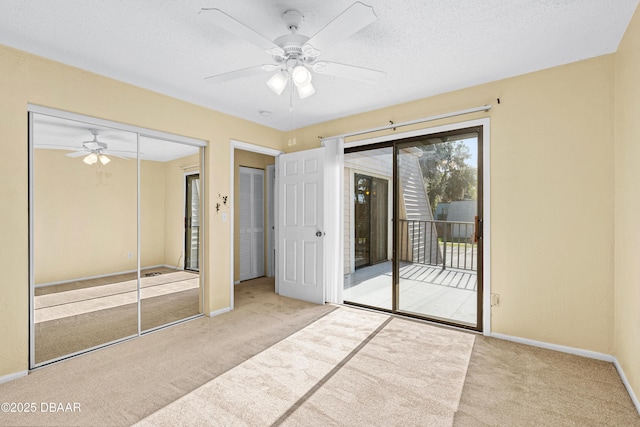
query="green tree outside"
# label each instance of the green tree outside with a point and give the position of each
(446, 173)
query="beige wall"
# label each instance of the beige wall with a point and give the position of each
(551, 196)
(250, 160)
(31, 79)
(627, 205)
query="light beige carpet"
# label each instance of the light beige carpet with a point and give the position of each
(122, 384)
(351, 367)
(510, 384)
(506, 384)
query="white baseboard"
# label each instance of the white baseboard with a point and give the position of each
(561, 348)
(627, 385)
(14, 376)
(237, 282)
(219, 312)
(170, 267)
(578, 352)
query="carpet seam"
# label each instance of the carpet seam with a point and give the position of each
(330, 374)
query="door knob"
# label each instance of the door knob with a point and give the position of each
(318, 233)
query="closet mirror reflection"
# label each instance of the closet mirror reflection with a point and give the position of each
(108, 226)
(169, 232)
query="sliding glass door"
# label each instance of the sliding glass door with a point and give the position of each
(107, 235)
(439, 255)
(436, 193)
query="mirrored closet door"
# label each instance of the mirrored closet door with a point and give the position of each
(107, 219)
(170, 286)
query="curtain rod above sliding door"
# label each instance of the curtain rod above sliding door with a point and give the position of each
(486, 107)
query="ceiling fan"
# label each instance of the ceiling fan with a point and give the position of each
(296, 55)
(95, 151)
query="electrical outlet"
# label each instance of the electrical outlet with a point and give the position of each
(495, 300)
(130, 255)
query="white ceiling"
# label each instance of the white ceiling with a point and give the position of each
(425, 47)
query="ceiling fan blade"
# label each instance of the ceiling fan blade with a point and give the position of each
(237, 74)
(111, 154)
(77, 153)
(54, 147)
(121, 152)
(352, 72)
(232, 25)
(349, 22)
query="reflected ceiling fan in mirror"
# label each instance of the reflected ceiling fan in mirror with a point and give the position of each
(296, 55)
(95, 151)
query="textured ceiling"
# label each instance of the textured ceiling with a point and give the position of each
(425, 47)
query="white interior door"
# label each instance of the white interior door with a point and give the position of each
(251, 223)
(301, 225)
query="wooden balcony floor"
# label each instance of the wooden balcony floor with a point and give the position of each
(449, 294)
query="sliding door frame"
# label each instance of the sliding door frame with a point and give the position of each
(483, 302)
(414, 142)
(140, 132)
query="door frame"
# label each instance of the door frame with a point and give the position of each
(351, 195)
(486, 194)
(271, 240)
(246, 146)
(388, 211)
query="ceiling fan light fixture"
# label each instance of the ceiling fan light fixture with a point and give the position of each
(104, 159)
(278, 82)
(301, 76)
(90, 159)
(306, 90)
(295, 54)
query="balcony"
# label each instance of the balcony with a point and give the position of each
(438, 273)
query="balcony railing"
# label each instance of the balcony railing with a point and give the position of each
(446, 243)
